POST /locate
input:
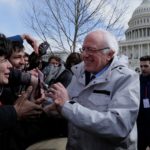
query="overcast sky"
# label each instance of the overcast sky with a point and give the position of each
(12, 12)
(11, 17)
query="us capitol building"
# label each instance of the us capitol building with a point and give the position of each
(137, 36)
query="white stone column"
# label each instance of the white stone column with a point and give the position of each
(127, 51)
(142, 33)
(138, 33)
(132, 35)
(132, 52)
(120, 50)
(139, 47)
(140, 50)
(146, 32)
(148, 49)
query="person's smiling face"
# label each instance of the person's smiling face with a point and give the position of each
(5, 66)
(17, 60)
(93, 54)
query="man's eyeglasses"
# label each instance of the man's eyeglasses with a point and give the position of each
(91, 50)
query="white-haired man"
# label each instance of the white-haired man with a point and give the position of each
(102, 112)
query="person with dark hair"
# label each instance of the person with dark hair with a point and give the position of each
(35, 58)
(9, 114)
(27, 130)
(50, 71)
(102, 112)
(56, 72)
(26, 59)
(144, 65)
(143, 121)
(30, 40)
(54, 60)
(19, 108)
(17, 56)
(73, 59)
(17, 59)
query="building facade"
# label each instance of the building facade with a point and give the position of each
(137, 36)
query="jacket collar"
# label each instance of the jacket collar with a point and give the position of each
(79, 72)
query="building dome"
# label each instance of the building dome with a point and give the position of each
(137, 42)
(142, 10)
(139, 24)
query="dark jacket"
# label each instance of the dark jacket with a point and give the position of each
(10, 132)
(17, 80)
(8, 120)
(8, 117)
(144, 113)
(64, 78)
(26, 132)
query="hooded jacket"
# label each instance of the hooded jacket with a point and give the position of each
(104, 114)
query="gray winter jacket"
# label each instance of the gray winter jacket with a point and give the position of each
(105, 112)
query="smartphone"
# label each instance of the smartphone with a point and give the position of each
(43, 48)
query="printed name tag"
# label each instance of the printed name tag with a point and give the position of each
(146, 103)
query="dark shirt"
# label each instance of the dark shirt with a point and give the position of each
(64, 78)
(144, 113)
(8, 117)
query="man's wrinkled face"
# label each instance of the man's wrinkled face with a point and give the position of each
(93, 56)
(145, 68)
(17, 60)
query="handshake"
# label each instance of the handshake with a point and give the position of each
(57, 96)
(28, 109)
(40, 98)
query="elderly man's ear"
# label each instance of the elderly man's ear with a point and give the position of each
(110, 55)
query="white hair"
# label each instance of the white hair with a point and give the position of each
(110, 40)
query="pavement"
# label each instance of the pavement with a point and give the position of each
(52, 144)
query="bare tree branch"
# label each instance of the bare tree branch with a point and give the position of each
(65, 22)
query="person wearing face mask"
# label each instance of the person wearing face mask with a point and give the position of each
(55, 72)
(51, 69)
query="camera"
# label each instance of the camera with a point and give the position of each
(34, 59)
(43, 48)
